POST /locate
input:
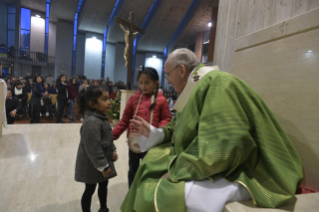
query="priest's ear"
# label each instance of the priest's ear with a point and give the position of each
(183, 71)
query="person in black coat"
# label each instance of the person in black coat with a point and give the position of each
(12, 106)
(21, 94)
(62, 97)
(35, 101)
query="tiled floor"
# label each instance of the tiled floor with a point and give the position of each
(37, 170)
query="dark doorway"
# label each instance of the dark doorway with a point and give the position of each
(36, 70)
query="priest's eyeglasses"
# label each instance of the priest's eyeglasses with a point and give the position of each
(168, 73)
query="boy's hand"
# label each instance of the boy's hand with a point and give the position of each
(115, 156)
(107, 172)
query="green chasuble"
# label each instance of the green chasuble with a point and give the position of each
(225, 131)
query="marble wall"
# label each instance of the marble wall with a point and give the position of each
(238, 18)
(281, 63)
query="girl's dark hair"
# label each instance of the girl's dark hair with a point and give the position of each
(153, 75)
(35, 79)
(59, 78)
(90, 94)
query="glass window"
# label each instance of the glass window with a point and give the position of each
(11, 36)
(25, 18)
(11, 9)
(11, 21)
(25, 39)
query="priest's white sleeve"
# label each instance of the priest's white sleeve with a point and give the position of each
(156, 137)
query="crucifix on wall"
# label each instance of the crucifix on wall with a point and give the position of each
(128, 52)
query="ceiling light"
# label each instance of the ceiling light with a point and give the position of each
(94, 37)
(310, 51)
(38, 16)
(210, 24)
(154, 56)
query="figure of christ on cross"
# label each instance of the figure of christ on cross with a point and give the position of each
(128, 53)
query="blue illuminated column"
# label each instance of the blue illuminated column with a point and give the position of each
(103, 53)
(115, 9)
(75, 32)
(47, 20)
(163, 71)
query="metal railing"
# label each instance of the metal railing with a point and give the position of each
(28, 57)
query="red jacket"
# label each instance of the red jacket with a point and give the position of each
(72, 91)
(161, 114)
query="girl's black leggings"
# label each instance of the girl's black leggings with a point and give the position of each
(88, 193)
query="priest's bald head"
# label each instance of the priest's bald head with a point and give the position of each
(178, 66)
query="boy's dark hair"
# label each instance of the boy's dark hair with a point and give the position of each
(153, 75)
(90, 94)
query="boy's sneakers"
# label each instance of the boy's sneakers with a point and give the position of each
(47, 114)
(104, 210)
(40, 114)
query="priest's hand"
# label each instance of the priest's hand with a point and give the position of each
(141, 125)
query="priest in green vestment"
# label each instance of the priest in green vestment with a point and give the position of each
(222, 130)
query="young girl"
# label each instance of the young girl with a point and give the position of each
(62, 97)
(96, 153)
(73, 94)
(37, 93)
(148, 82)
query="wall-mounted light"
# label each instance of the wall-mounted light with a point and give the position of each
(210, 24)
(309, 51)
(94, 37)
(154, 56)
(38, 16)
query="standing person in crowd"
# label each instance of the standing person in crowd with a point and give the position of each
(35, 101)
(13, 82)
(62, 97)
(21, 78)
(113, 94)
(107, 80)
(97, 152)
(148, 103)
(53, 89)
(9, 86)
(73, 95)
(12, 106)
(28, 77)
(47, 100)
(85, 84)
(22, 96)
(110, 85)
(50, 80)
(28, 86)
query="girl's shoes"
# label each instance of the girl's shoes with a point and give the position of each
(71, 120)
(104, 210)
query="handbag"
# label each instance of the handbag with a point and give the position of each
(134, 136)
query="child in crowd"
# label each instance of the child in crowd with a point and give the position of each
(35, 104)
(12, 106)
(73, 94)
(46, 100)
(21, 94)
(62, 97)
(113, 94)
(97, 152)
(141, 104)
